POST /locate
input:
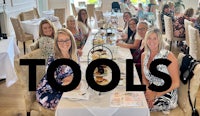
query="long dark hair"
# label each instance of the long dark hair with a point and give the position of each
(80, 18)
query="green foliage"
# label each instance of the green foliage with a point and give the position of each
(179, 3)
(92, 1)
(135, 2)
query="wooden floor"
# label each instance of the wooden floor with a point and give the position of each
(12, 101)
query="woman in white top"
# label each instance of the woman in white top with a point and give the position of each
(83, 22)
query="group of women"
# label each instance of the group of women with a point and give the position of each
(68, 43)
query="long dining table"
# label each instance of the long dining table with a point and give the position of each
(117, 102)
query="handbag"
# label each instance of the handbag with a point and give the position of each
(187, 67)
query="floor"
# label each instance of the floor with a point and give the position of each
(12, 101)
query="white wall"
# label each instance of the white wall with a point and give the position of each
(12, 10)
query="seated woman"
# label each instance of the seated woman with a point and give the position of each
(46, 38)
(82, 22)
(154, 49)
(126, 17)
(179, 29)
(140, 12)
(131, 36)
(127, 6)
(138, 44)
(76, 31)
(165, 11)
(64, 47)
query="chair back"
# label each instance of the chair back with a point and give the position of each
(19, 32)
(158, 19)
(116, 6)
(99, 15)
(36, 13)
(28, 15)
(90, 10)
(60, 13)
(168, 28)
(186, 24)
(74, 9)
(194, 42)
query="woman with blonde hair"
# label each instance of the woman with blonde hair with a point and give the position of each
(64, 47)
(155, 49)
(77, 33)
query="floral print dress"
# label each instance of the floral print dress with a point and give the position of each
(47, 96)
(80, 41)
(169, 100)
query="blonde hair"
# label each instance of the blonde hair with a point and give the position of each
(41, 33)
(72, 50)
(160, 39)
(171, 4)
(71, 17)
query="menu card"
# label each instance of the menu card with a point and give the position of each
(119, 99)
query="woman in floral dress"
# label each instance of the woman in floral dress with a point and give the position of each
(46, 38)
(80, 39)
(64, 47)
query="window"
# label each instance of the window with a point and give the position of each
(135, 2)
(82, 3)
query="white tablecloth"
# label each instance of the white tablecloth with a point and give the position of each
(107, 15)
(48, 13)
(99, 105)
(8, 50)
(32, 26)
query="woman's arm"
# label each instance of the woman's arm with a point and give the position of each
(144, 80)
(134, 45)
(173, 69)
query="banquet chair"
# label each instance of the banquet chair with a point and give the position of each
(20, 34)
(60, 13)
(74, 10)
(184, 108)
(186, 24)
(36, 13)
(28, 15)
(169, 33)
(194, 42)
(99, 18)
(99, 15)
(33, 108)
(90, 11)
(159, 22)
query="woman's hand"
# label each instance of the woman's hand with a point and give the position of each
(80, 52)
(124, 36)
(150, 96)
(120, 43)
(67, 80)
